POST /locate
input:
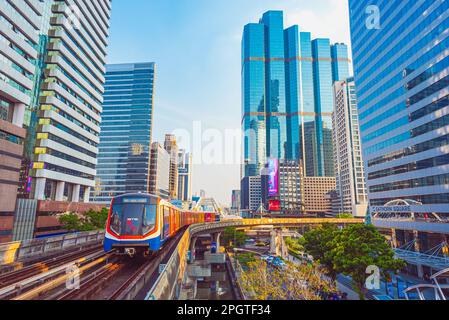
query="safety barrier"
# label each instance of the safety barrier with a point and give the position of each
(21, 251)
(170, 280)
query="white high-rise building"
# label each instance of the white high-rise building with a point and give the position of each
(71, 97)
(159, 183)
(348, 162)
(52, 57)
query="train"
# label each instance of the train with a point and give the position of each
(140, 224)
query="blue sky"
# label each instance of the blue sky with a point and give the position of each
(196, 45)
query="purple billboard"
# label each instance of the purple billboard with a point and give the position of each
(273, 177)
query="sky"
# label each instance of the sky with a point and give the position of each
(196, 45)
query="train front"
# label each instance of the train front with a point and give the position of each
(132, 226)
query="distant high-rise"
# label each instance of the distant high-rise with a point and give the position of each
(251, 194)
(351, 187)
(236, 200)
(287, 99)
(126, 130)
(319, 194)
(184, 175)
(159, 184)
(172, 148)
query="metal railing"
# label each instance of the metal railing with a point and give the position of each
(169, 282)
(21, 251)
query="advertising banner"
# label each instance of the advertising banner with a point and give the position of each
(273, 177)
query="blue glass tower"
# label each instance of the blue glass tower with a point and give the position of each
(287, 95)
(401, 72)
(126, 129)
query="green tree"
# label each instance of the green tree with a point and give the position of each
(293, 282)
(357, 247)
(97, 219)
(71, 222)
(344, 216)
(294, 245)
(233, 238)
(318, 243)
(90, 221)
(245, 259)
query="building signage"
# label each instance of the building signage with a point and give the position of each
(391, 209)
(274, 205)
(273, 177)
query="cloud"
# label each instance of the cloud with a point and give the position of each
(323, 18)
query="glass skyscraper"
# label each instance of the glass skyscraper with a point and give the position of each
(403, 90)
(287, 95)
(126, 129)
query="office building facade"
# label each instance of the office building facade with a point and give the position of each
(251, 194)
(319, 195)
(172, 148)
(291, 187)
(126, 131)
(20, 25)
(185, 171)
(52, 55)
(62, 145)
(401, 67)
(159, 171)
(287, 95)
(235, 200)
(348, 160)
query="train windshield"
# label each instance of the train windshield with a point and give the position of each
(133, 219)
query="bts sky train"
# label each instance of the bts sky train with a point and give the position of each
(142, 223)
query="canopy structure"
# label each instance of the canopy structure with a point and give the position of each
(433, 291)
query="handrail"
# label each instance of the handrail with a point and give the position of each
(19, 251)
(171, 277)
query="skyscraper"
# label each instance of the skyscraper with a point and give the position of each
(251, 194)
(287, 95)
(401, 66)
(172, 148)
(184, 175)
(159, 184)
(126, 131)
(20, 26)
(52, 57)
(348, 161)
(236, 201)
(63, 133)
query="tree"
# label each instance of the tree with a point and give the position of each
(294, 245)
(233, 237)
(245, 259)
(318, 242)
(344, 216)
(97, 218)
(90, 221)
(294, 282)
(71, 222)
(357, 247)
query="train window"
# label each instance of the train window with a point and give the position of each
(149, 218)
(166, 230)
(133, 219)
